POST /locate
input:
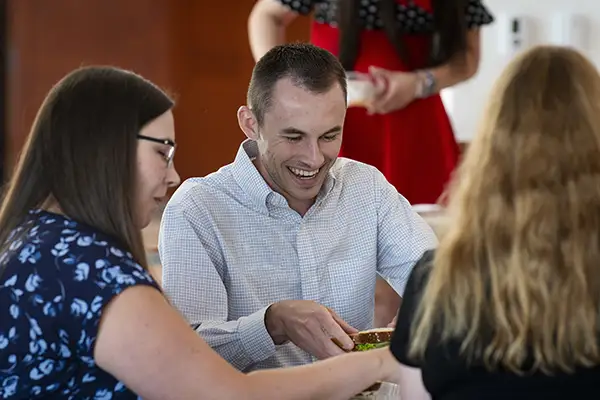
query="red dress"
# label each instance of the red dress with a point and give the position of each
(414, 147)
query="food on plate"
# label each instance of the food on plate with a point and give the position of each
(369, 340)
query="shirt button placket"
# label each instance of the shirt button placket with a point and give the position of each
(306, 262)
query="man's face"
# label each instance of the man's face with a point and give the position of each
(300, 140)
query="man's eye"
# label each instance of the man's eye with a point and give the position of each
(293, 138)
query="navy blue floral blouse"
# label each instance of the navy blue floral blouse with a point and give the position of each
(58, 277)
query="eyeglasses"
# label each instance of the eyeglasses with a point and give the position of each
(172, 145)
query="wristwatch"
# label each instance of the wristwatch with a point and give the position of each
(427, 84)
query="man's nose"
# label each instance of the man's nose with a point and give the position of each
(313, 155)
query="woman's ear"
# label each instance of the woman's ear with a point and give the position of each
(247, 122)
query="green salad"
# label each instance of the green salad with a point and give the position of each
(370, 346)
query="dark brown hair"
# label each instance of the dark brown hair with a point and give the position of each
(448, 38)
(82, 153)
(308, 66)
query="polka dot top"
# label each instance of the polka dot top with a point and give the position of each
(411, 17)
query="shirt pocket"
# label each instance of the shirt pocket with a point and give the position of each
(347, 285)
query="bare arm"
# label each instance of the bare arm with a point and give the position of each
(266, 26)
(146, 344)
(395, 90)
(460, 68)
(411, 384)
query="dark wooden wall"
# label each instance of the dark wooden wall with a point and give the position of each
(198, 50)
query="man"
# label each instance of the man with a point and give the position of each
(274, 255)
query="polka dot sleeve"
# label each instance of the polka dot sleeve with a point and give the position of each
(477, 14)
(303, 7)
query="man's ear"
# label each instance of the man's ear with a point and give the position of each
(247, 122)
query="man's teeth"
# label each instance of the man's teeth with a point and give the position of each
(303, 173)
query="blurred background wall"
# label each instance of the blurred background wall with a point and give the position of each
(196, 49)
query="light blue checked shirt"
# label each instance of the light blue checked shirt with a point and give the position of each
(230, 246)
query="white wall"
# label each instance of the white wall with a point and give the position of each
(465, 102)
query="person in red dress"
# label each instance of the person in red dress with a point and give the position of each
(411, 49)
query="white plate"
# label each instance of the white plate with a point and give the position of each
(427, 208)
(387, 391)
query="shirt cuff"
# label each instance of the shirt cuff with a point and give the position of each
(255, 338)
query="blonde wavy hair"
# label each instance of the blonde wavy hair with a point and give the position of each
(516, 278)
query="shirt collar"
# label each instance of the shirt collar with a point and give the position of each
(251, 181)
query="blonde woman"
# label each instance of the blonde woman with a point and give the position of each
(508, 305)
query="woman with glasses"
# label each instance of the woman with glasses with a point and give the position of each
(80, 316)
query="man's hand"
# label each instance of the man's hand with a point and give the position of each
(310, 326)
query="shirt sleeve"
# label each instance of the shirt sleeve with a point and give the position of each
(402, 235)
(101, 273)
(401, 338)
(193, 268)
(302, 7)
(477, 14)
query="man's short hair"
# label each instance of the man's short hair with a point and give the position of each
(308, 66)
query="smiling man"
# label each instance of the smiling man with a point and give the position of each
(276, 254)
